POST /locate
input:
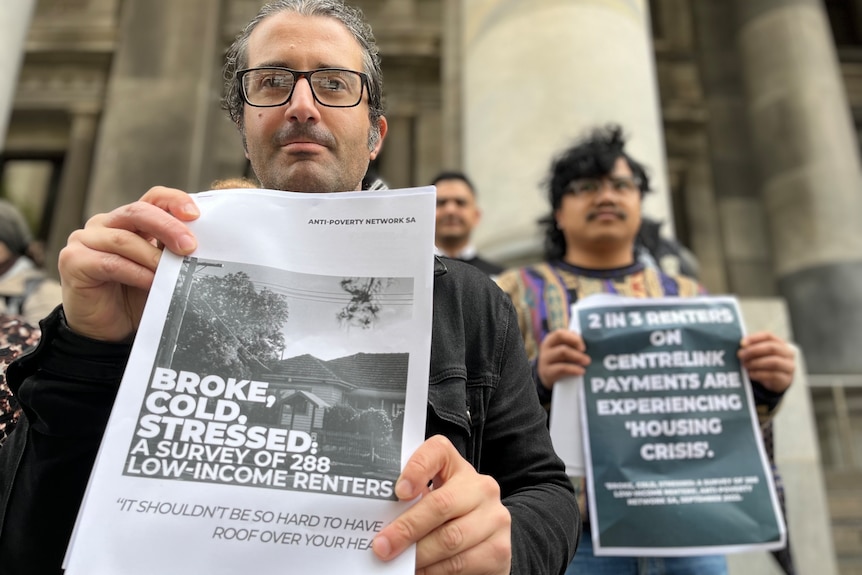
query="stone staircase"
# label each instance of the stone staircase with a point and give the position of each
(844, 490)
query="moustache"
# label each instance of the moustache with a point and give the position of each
(449, 220)
(304, 132)
(595, 213)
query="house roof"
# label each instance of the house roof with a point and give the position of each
(304, 367)
(289, 395)
(378, 371)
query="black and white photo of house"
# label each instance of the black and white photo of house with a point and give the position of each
(354, 405)
(330, 347)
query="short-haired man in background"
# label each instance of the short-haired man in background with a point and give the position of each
(457, 215)
(595, 190)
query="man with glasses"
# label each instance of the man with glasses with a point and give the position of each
(595, 189)
(304, 88)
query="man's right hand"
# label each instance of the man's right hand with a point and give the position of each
(459, 526)
(562, 353)
(107, 268)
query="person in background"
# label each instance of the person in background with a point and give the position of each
(26, 296)
(457, 216)
(25, 289)
(304, 88)
(595, 189)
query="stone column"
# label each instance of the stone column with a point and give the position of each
(741, 233)
(71, 198)
(396, 166)
(399, 11)
(808, 155)
(161, 103)
(15, 20)
(451, 65)
(701, 213)
(538, 74)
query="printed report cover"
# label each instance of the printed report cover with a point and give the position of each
(277, 385)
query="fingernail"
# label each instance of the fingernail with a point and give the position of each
(187, 243)
(404, 489)
(191, 209)
(381, 546)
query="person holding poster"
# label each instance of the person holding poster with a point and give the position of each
(304, 87)
(595, 189)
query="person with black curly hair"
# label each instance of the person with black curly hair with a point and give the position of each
(595, 190)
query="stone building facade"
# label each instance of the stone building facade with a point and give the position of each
(748, 113)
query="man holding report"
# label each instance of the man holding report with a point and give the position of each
(304, 88)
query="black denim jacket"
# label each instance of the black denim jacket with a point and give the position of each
(482, 400)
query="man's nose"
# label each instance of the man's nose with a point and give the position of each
(302, 106)
(606, 191)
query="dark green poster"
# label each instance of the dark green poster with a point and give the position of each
(674, 460)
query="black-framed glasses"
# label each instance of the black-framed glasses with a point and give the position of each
(271, 86)
(592, 186)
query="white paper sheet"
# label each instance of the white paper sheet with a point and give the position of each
(566, 425)
(218, 471)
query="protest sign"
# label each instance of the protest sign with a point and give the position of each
(674, 459)
(276, 387)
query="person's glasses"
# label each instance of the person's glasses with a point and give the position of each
(592, 186)
(272, 86)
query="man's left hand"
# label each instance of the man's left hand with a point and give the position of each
(770, 361)
(459, 526)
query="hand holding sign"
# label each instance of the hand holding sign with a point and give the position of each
(107, 268)
(459, 525)
(770, 361)
(561, 354)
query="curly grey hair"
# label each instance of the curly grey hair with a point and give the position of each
(353, 20)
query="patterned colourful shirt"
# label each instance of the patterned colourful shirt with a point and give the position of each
(16, 337)
(543, 293)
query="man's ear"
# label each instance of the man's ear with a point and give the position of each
(382, 126)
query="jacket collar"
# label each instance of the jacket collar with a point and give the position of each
(439, 267)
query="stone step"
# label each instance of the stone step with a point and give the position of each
(845, 505)
(848, 540)
(844, 492)
(843, 480)
(850, 567)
